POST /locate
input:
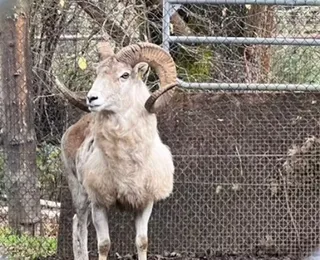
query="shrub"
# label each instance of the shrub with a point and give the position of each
(25, 246)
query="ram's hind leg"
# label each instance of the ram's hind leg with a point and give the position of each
(141, 221)
(100, 222)
(80, 235)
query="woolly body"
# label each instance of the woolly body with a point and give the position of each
(123, 161)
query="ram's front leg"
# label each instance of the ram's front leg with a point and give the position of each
(100, 222)
(141, 221)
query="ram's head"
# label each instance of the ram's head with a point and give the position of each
(116, 73)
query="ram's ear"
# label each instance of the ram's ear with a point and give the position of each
(105, 50)
(141, 69)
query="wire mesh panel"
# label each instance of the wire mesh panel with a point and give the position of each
(246, 159)
(240, 185)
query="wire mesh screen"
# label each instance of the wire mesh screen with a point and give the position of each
(246, 180)
(247, 162)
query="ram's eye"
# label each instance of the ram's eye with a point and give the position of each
(125, 75)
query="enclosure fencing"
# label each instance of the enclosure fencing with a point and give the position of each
(243, 125)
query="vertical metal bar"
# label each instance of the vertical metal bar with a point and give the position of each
(166, 25)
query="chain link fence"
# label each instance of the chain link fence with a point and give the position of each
(243, 127)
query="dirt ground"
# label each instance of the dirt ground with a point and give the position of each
(208, 256)
(216, 257)
(177, 256)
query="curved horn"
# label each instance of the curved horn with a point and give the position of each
(105, 50)
(74, 98)
(160, 60)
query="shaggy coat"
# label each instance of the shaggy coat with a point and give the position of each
(120, 158)
(114, 156)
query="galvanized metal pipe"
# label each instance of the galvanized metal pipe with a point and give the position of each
(260, 2)
(249, 86)
(246, 40)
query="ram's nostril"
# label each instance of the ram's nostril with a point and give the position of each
(92, 98)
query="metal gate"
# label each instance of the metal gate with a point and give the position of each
(170, 6)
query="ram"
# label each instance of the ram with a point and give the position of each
(114, 156)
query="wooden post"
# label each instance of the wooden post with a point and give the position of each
(21, 178)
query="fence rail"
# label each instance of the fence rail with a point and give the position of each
(245, 40)
(250, 86)
(253, 2)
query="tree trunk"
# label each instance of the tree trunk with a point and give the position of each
(260, 23)
(19, 142)
(64, 250)
(54, 20)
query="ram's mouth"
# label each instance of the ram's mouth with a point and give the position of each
(94, 105)
(93, 108)
(100, 107)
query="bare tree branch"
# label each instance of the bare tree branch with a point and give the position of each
(119, 34)
(116, 32)
(180, 27)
